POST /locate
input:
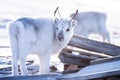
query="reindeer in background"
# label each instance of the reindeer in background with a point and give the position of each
(91, 23)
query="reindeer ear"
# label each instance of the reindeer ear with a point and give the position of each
(56, 20)
(73, 23)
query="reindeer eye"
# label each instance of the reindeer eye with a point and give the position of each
(68, 29)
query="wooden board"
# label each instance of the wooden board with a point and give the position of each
(34, 77)
(96, 71)
(75, 59)
(98, 61)
(98, 55)
(95, 46)
(99, 76)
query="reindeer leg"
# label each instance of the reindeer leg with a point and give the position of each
(15, 66)
(44, 64)
(23, 66)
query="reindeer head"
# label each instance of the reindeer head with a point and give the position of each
(64, 27)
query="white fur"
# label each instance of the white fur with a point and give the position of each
(91, 22)
(42, 36)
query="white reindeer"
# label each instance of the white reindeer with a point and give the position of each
(43, 36)
(91, 22)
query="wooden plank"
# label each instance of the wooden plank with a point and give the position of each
(86, 58)
(71, 71)
(95, 46)
(96, 71)
(98, 61)
(32, 69)
(75, 59)
(93, 76)
(87, 53)
(34, 77)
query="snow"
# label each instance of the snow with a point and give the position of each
(12, 9)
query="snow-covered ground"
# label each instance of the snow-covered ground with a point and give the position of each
(12, 9)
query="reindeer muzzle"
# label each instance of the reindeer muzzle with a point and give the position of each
(60, 36)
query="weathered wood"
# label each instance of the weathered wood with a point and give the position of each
(34, 77)
(87, 58)
(5, 71)
(32, 68)
(87, 53)
(98, 61)
(97, 71)
(71, 71)
(96, 46)
(75, 59)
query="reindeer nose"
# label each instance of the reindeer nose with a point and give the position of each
(60, 36)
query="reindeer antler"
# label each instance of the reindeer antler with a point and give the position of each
(56, 10)
(74, 15)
